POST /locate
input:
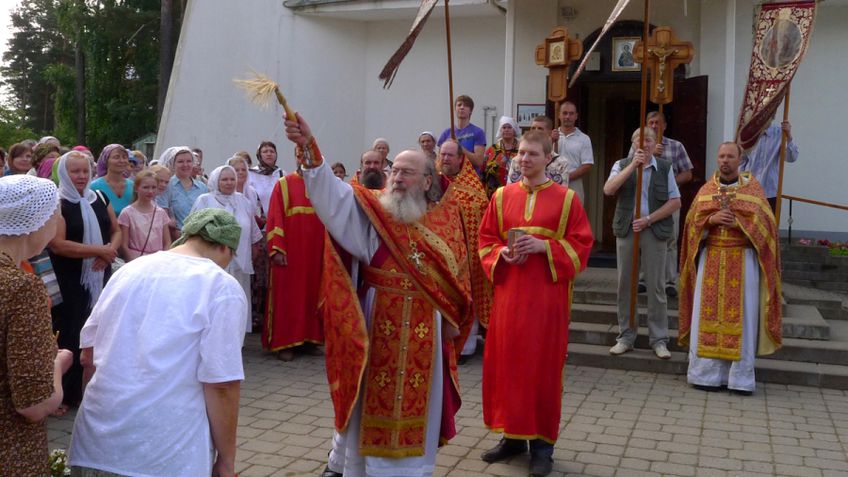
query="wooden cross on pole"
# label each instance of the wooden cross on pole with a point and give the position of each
(665, 53)
(556, 54)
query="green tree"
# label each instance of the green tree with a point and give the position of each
(85, 70)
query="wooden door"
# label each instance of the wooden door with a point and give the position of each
(688, 124)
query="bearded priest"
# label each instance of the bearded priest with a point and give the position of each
(730, 303)
(390, 361)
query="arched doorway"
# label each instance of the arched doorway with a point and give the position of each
(608, 98)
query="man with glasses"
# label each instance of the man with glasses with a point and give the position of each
(390, 360)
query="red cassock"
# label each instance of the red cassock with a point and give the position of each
(294, 230)
(527, 339)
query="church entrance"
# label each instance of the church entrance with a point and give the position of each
(608, 100)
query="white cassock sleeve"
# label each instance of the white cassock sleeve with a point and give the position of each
(336, 206)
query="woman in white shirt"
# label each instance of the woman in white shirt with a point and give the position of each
(223, 195)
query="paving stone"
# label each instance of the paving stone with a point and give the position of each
(667, 468)
(615, 422)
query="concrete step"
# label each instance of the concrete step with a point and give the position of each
(799, 321)
(767, 370)
(808, 351)
(831, 305)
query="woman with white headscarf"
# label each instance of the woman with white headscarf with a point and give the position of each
(87, 241)
(498, 156)
(182, 190)
(223, 195)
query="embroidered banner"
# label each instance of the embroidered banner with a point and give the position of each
(781, 36)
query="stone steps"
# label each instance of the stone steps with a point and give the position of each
(767, 370)
(814, 352)
(808, 351)
(799, 321)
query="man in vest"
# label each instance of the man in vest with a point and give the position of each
(660, 199)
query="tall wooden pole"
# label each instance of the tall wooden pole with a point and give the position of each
(662, 116)
(557, 124)
(784, 138)
(634, 272)
(450, 69)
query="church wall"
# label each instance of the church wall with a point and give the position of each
(418, 100)
(307, 56)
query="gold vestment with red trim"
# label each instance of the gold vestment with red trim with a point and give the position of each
(468, 191)
(723, 289)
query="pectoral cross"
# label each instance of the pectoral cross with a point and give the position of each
(415, 255)
(724, 197)
(664, 54)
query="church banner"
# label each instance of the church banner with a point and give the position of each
(781, 36)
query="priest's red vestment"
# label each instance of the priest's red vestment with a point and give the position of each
(527, 341)
(294, 230)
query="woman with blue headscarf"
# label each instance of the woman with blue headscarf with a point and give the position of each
(87, 241)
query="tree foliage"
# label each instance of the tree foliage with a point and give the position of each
(119, 41)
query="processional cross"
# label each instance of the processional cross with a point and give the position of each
(665, 53)
(556, 53)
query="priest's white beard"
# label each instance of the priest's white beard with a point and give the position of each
(405, 207)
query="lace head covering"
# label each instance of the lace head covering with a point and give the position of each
(90, 279)
(26, 203)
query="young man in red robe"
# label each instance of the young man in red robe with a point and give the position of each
(296, 248)
(534, 240)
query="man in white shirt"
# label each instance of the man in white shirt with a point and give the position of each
(164, 346)
(575, 146)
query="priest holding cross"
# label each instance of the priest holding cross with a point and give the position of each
(730, 308)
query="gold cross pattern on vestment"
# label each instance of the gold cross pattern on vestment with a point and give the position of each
(421, 330)
(415, 255)
(417, 380)
(665, 53)
(387, 327)
(382, 379)
(724, 197)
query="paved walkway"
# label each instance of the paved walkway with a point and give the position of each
(615, 423)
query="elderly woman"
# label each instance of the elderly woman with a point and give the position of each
(86, 243)
(43, 158)
(498, 156)
(381, 145)
(31, 380)
(182, 191)
(112, 167)
(223, 195)
(19, 159)
(243, 187)
(427, 143)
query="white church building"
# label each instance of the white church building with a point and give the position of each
(326, 55)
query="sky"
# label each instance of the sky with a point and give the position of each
(6, 7)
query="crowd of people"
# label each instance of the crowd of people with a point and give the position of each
(128, 286)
